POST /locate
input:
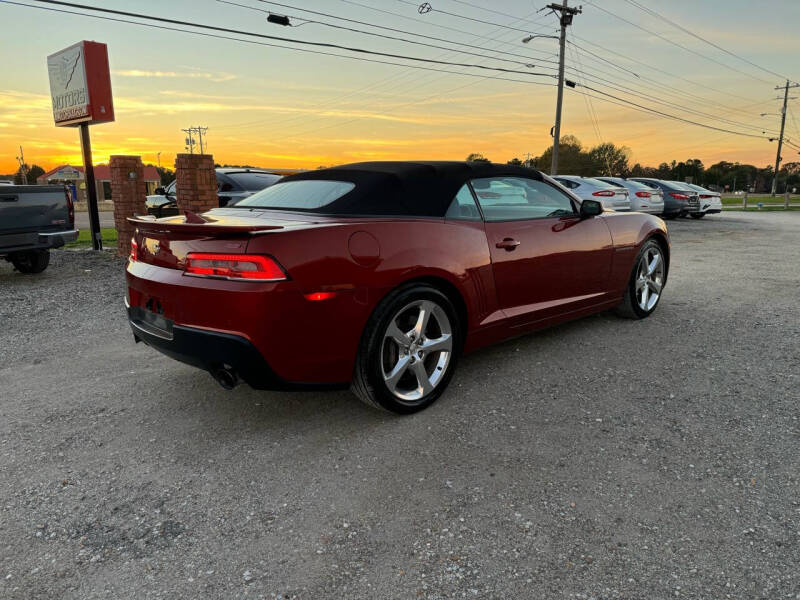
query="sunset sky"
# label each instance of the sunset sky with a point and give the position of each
(277, 107)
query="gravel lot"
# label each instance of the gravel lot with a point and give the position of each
(602, 459)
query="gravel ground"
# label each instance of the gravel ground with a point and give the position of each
(601, 459)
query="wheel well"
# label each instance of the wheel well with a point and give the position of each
(662, 241)
(449, 290)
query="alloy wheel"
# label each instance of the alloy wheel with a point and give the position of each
(649, 279)
(416, 350)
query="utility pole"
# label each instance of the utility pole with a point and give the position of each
(780, 139)
(566, 14)
(23, 172)
(200, 132)
(189, 139)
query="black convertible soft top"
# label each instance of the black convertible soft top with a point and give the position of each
(416, 188)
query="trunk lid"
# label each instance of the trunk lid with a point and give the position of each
(166, 242)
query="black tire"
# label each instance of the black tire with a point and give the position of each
(630, 308)
(669, 216)
(30, 262)
(698, 215)
(369, 383)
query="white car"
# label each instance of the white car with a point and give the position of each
(710, 202)
(6, 182)
(612, 197)
(643, 198)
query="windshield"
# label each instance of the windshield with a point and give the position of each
(303, 195)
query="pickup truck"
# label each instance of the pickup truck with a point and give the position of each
(34, 219)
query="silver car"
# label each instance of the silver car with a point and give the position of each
(612, 197)
(710, 201)
(643, 198)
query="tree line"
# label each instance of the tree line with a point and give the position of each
(610, 160)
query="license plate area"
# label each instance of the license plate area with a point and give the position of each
(151, 319)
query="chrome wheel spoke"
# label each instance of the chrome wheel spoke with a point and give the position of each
(397, 372)
(394, 333)
(443, 343)
(652, 265)
(425, 310)
(645, 297)
(423, 379)
(655, 286)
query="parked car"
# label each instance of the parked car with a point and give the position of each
(34, 219)
(643, 198)
(710, 201)
(678, 199)
(378, 275)
(611, 196)
(233, 185)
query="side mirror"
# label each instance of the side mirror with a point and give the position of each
(160, 191)
(591, 208)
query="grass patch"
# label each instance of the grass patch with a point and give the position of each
(756, 198)
(756, 209)
(84, 240)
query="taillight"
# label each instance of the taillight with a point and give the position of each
(604, 193)
(706, 196)
(70, 207)
(134, 250)
(243, 267)
(679, 196)
(642, 194)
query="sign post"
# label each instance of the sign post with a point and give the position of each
(80, 88)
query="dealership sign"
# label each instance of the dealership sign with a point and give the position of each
(80, 84)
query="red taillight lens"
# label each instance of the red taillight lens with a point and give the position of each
(642, 194)
(605, 193)
(134, 250)
(706, 196)
(678, 196)
(246, 267)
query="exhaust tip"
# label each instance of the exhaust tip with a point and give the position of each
(226, 377)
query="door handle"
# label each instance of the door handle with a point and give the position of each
(508, 244)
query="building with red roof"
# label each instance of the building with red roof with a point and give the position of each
(102, 176)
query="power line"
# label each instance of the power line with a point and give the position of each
(623, 101)
(432, 24)
(465, 17)
(669, 41)
(670, 90)
(397, 81)
(701, 38)
(384, 36)
(654, 68)
(286, 39)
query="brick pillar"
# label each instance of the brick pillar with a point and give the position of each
(128, 193)
(196, 187)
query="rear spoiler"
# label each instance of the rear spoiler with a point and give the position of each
(196, 224)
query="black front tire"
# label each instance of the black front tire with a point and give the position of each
(698, 215)
(369, 383)
(629, 308)
(31, 261)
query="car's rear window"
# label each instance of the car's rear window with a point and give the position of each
(309, 194)
(254, 181)
(598, 183)
(637, 185)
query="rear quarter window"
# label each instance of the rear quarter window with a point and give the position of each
(253, 181)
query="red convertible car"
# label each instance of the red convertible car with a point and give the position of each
(379, 275)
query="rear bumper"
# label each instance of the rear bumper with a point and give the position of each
(212, 350)
(35, 240)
